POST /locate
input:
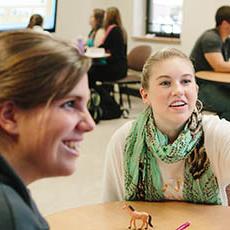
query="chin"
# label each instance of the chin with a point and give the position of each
(181, 119)
(66, 170)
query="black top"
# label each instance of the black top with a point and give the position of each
(115, 67)
(17, 209)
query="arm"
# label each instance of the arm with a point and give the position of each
(98, 37)
(217, 62)
(216, 51)
(113, 182)
(217, 144)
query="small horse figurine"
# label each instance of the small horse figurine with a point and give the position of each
(135, 215)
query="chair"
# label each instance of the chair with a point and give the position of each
(136, 60)
(228, 194)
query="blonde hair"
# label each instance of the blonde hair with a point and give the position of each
(160, 56)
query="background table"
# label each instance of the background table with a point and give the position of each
(165, 216)
(213, 76)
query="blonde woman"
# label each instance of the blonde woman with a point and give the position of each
(171, 151)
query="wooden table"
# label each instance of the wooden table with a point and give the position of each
(166, 216)
(213, 76)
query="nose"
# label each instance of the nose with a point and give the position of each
(87, 123)
(177, 89)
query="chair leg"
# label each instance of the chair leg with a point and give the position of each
(120, 96)
(127, 94)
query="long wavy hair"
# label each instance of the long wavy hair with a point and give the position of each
(113, 17)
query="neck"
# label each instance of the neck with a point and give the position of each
(171, 132)
(21, 168)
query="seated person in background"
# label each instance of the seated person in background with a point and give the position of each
(212, 52)
(36, 24)
(43, 117)
(114, 42)
(171, 151)
(97, 32)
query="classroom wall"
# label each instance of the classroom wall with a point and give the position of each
(73, 19)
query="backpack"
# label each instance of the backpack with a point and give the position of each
(94, 106)
(103, 106)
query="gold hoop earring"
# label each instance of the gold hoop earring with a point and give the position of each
(199, 105)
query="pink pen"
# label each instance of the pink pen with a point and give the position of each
(184, 226)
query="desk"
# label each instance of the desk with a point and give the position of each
(166, 216)
(213, 76)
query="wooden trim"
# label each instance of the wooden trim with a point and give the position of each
(158, 39)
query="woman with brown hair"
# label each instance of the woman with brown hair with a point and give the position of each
(36, 24)
(43, 117)
(97, 32)
(115, 43)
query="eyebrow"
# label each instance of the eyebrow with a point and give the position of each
(167, 76)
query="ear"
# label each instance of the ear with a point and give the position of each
(7, 117)
(197, 88)
(144, 95)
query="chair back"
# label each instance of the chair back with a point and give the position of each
(138, 56)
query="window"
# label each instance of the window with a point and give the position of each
(15, 14)
(164, 18)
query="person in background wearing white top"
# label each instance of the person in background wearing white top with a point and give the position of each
(36, 24)
(171, 151)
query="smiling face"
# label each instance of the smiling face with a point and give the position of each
(172, 93)
(49, 137)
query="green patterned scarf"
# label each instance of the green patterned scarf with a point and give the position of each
(145, 143)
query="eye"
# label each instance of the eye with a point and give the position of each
(69, 104)
(73, 105)
(186, 81)
(165, 83)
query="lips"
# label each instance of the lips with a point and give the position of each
(72, 146)
(178, 103)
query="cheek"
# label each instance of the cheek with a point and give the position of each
(193, 94)
(157, 96)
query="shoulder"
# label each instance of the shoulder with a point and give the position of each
(213, 122)
(39, 29)
(15, 213)
(211, 36)
(216, 130)
(123, 131)
(116, 30)
(116, 144)
(7, 221)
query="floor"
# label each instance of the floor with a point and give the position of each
(84, 186)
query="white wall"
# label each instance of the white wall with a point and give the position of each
(73, 19)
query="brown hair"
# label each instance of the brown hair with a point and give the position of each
(99, 17)
(160, 56)
(113, 17)
(36, 69)
(35, 20)
(223, 13)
